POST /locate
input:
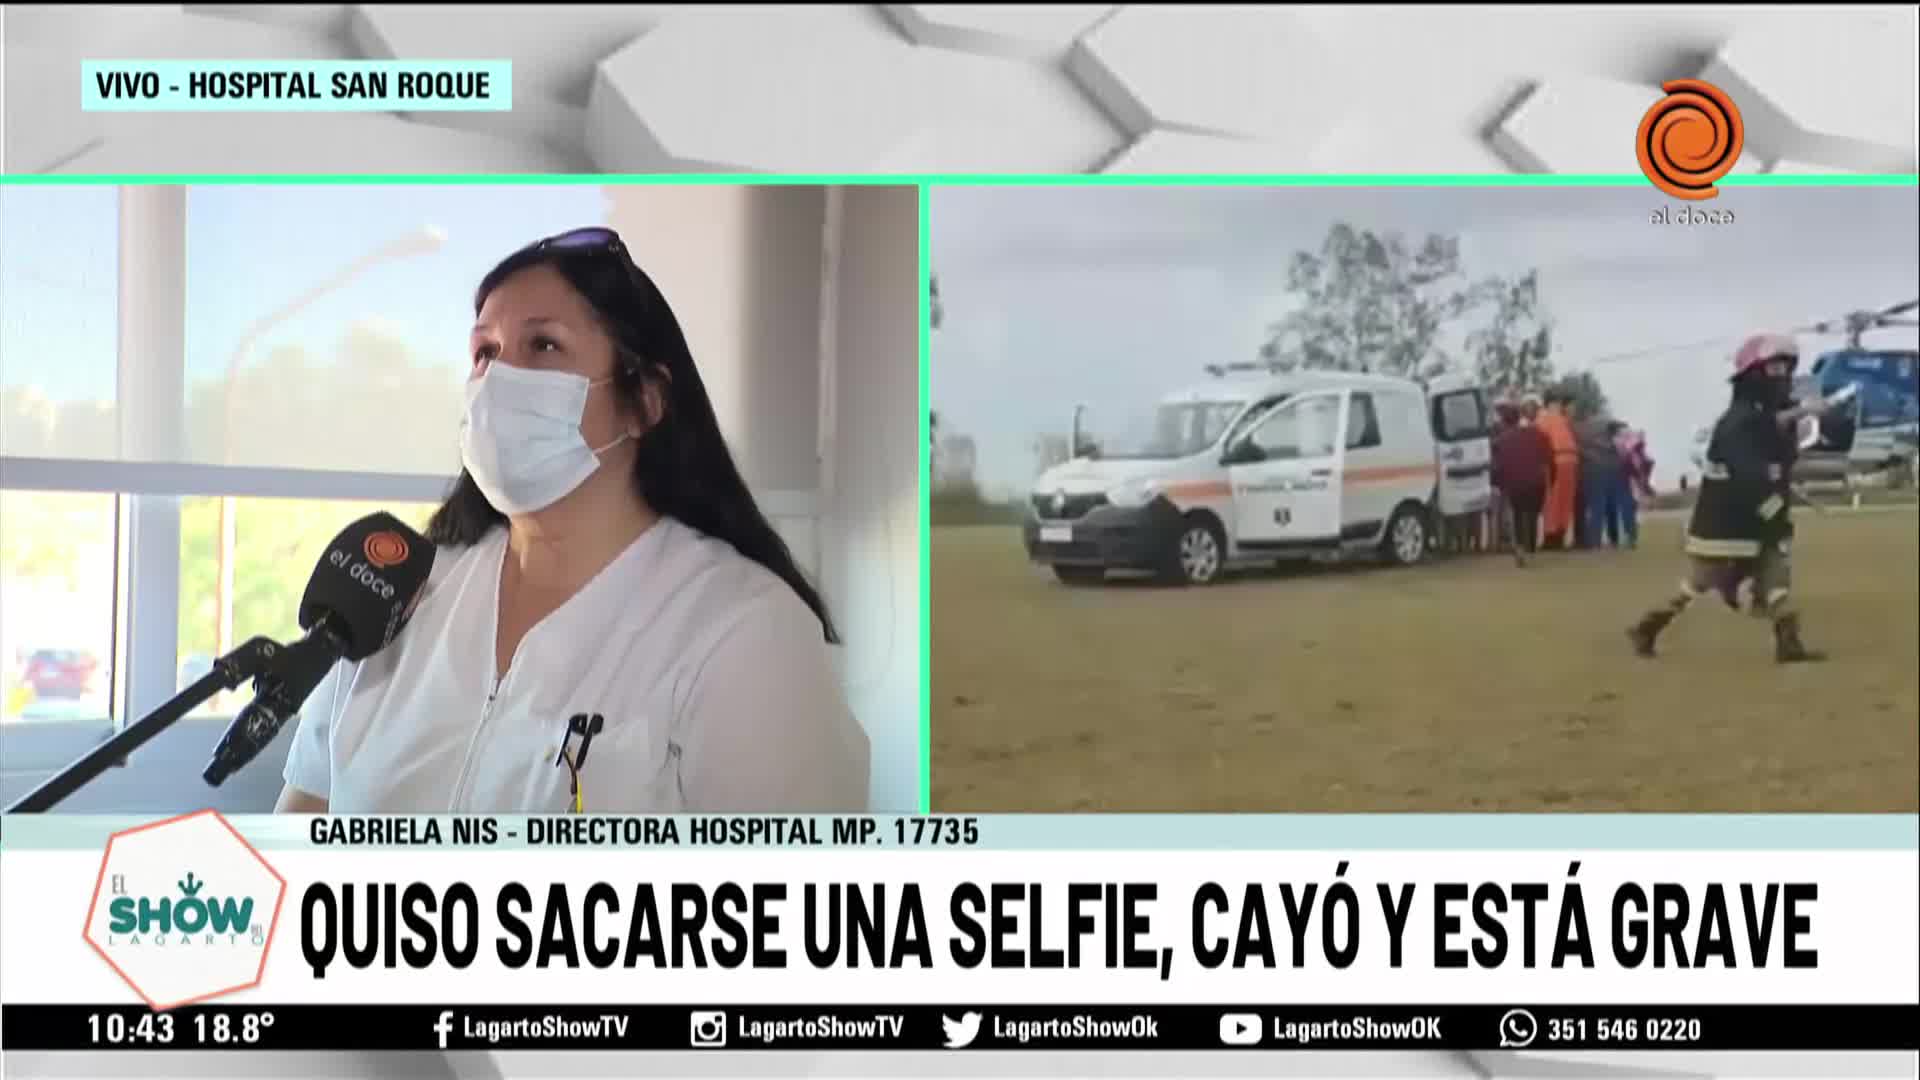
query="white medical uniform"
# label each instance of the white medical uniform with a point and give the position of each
(712, 674)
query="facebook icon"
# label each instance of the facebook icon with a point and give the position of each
(443, 1027)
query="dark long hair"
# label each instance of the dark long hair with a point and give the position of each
(682, 467)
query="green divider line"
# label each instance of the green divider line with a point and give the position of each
(925, 427)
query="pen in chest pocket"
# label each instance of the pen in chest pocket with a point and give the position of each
(583, 726)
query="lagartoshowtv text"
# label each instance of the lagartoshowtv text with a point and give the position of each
(1116, 926)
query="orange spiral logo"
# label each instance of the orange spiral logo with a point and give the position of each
(1690, 138)
(383, 549)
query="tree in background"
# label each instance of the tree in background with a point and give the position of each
(44, 532)
(58, 539)
(956, 498)
(1583, 387)
(1376, 302)
(278, 542)
(33, 425)
(378, 406)
(1373, 302)
(1512, 351)
(375, 406)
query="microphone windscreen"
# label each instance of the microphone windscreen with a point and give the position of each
(369, 579)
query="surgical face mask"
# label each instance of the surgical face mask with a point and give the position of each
(520, 439)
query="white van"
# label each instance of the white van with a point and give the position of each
(1254, 466)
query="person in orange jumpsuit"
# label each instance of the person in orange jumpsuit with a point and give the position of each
(1562, 488)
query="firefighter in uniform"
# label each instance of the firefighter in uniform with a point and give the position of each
(1742, 529)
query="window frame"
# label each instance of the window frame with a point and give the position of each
(1437, 418)
(1371, 425)
(1294, 401)
(1250, 417)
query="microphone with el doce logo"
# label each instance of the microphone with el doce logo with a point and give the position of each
(360, 596)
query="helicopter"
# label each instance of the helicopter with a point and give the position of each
(1872, 426)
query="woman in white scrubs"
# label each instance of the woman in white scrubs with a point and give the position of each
(599, 557)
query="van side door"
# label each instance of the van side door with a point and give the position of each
(1285, 473)
(1463, 440)
(1393, 464)
(1370, 454)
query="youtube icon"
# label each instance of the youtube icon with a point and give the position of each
(1240, 1029)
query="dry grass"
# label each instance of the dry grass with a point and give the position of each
(1465, 685)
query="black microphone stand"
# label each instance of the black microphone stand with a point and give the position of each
(254, 658)
(292, 675)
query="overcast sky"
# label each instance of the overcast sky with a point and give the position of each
(1111, 296)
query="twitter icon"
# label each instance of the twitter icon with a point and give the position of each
(960, 1032)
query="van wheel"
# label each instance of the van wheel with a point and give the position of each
(1406, 541)
(1080, 575)
(1199, 553)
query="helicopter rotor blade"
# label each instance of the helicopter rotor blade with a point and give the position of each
(1855, 322)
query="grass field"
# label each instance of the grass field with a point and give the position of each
(1466, 684)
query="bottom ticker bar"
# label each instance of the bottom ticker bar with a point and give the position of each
(992, 1027)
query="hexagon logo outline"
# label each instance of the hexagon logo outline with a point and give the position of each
(273, 923)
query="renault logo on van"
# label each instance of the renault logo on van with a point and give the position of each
(1059, 501)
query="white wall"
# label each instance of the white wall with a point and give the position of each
(871, 541)
(742, 268)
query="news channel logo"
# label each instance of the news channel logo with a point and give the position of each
(707, 1029)
(1518, 1029)
(1690, 138)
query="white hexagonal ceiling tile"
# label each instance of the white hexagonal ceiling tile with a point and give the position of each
(323, 18)
(730, 88)
(966, 102)
(353, 143)
(1025, 31)
(1180, 152)
(554, 47)
(1837, 89)
(1253, 72)
(1582, 126)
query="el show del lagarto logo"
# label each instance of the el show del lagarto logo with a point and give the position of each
(184, 909)
(191, 917)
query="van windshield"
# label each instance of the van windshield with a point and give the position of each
(1172, 430)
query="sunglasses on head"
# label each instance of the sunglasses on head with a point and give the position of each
(587, 241)
(595, 240)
